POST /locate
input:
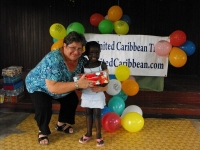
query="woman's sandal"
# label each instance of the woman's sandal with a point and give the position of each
(100, 142)
(69, 129)
(42, 138)
(84, 139)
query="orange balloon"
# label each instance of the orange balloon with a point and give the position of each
(57, 45)
(130, 87)
(83, 49)
(177, 57)
(115, 13)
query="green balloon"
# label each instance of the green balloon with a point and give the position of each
(117, 105)
(106, 26)
(76, 26)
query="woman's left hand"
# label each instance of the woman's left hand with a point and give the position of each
(99, 88)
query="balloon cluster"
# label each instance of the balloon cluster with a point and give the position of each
(58, 33)
(120, 88)
(114, 20)
(177, 48)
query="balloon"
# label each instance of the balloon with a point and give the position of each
(114, 87)
(121, 27)
(115, 13)
(132, 108)
(126, 19)
(106, 17)
(122, 95)
(131, 78)
(57, 31)
(57, 45)
(106, 26)
(96, 18)
(122, 72)
(76, 26)
(105, 110)
(111, 122)
(188, 47)
(132, 122)
(112, 76)
(177, 38)
(83, 50)
(55, 40)
(116, 104)
(177, 57)
(162, 48)
(130, 87)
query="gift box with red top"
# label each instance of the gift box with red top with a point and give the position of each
(98, 78)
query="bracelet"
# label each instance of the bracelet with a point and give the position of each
(76, 85)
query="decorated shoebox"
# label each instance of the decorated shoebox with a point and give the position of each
(98, 78)
(14, 99)
(13, 86)
(7, 79)
(12, 71)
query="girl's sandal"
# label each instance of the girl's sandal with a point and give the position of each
(69, 129)
(84, 139)
(100, 142)
(42, 138)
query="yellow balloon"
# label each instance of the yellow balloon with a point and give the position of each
(57, 45)
(132, 122)
(177, 57)
(121, 27)
(122, 72)
(57, 31)
(130, 87)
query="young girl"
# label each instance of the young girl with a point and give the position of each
(93, 101)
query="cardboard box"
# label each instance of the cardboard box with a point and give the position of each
(98, 78)
(14, 99)
(7, 79)
(13, 86)
(12, 71)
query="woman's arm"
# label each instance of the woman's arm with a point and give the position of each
(64, 87)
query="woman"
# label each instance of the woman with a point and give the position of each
(52, 78)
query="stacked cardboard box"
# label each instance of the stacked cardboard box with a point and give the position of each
(13, 84)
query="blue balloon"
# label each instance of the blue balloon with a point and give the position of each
(126, 18)
(105, 110)
(116, 104)
(122, 95)
(188, 47)
(111, 76)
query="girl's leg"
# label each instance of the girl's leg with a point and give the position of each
(97, 115)
(89, 121)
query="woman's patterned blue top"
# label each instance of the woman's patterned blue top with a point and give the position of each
(51, 67)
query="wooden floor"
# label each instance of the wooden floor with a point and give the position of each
(180, 98)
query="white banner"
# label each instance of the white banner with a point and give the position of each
(135, 51)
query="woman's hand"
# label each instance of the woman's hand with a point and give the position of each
(99, 88)
(84, 83)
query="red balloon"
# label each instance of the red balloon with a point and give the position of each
(177, 38)
(96, 18)
(111, 122)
